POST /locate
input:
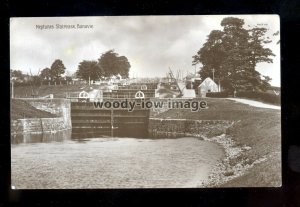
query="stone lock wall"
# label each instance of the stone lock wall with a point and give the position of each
(60, 107)
(37, 125)
(166, 128)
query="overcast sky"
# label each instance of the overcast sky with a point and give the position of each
(152, 44)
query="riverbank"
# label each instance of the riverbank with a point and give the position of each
(250, 137)
(252, 143)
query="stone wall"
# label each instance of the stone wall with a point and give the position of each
(165, 101)
(38, 125)
(59, 107)
(166, 128)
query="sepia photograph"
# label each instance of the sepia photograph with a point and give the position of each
(137, 102)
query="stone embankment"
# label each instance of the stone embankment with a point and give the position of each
(172, 128)
(59, 107)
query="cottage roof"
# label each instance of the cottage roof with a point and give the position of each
(207, 81)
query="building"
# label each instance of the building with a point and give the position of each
(192, 81)
(188, 93)
(208, 85)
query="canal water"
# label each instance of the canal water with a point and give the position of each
(58, 161)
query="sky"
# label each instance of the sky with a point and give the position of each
(152, 44)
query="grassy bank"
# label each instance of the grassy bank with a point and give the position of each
(257, 128)
(59, 91)
(20, 109)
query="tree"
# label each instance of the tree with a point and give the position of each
(57, 69)
(36, 80)
(233, 53)
(89, 70)
(69, 78)
(113, 64)
(46, 74)
(17, 75)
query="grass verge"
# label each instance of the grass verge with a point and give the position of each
(257, 128)
(59, 91)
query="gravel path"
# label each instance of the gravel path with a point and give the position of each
(255, 103)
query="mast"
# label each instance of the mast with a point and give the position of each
(172, 76)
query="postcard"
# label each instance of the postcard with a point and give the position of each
(118, 102)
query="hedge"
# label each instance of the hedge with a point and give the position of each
(223, 94)
(254, 95)
(260, 96)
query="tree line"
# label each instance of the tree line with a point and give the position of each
(109, 64)
(231, 55)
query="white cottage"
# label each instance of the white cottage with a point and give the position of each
(208, 85)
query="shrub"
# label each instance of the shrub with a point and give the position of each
(223, 94)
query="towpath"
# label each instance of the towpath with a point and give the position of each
(255, 103)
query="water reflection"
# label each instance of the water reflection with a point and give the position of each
(41, 137)
(121, 131)
(114, 163)
(63, 135)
